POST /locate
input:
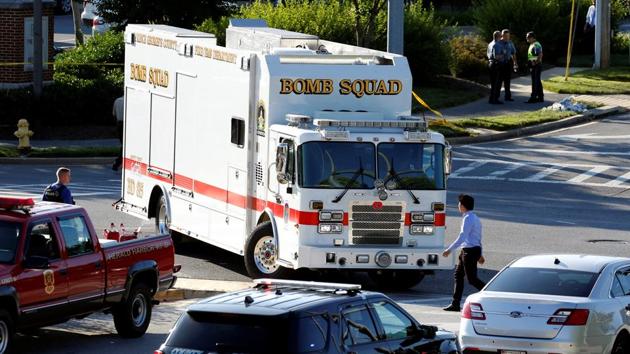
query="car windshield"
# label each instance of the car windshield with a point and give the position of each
(9, 236)
(411, 165)
(229, 333)
(337, 165)
(333, 165)
(543, 281)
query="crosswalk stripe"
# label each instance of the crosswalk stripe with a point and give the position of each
(588, 174)
(542, 174)
(617, 182)
(507, 170)
(468, 168)
(549, 151)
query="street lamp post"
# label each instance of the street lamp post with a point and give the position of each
(602, 35)
(37, 48)
(395, 26)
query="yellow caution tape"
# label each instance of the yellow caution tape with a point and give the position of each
(425, 105)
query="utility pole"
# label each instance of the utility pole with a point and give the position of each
(602, 34)
(37, 49)
(395, 26)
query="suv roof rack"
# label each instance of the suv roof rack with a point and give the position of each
(266, 282)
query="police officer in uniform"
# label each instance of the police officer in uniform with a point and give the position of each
(496, 56)
(58, 191)
(534, 62)
(509, 64)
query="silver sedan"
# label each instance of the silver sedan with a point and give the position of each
(551, 304)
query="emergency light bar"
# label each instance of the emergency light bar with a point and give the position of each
(16, 203)
(335, 134)
(307, 284)
(413, 125)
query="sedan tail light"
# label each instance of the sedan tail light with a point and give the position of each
(473, 311)
(569, 317)
(158, 352)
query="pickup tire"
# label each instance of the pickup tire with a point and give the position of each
(7, 330)
(261, 254)
(132, 317)
(396, 279)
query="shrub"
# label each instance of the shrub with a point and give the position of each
(426, 45)
(85, 83)
(549, 19)
(621, 43)
(216, 27)
(468, 56)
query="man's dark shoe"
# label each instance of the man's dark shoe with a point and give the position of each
(541, 100)
(452, 308)
(532, 100)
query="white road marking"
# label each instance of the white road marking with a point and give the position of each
(507, 170)
(531, 163)
(550, 151)
(542, 174)
(475, 164)
(592, 136)
(425, 301)
(565, 222)
(588, 174)
(617, 182)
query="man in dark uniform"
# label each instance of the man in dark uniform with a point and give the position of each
(509, 63)
(58, 191)
(495, 53)
(534, 61)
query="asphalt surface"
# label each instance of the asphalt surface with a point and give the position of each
(561, 192)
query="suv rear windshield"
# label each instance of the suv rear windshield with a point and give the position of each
(229, 333)
(544, 281)
(9, 233)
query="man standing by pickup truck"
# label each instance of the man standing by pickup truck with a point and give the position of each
(58, 191)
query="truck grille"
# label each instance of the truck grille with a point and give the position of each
(376, 226)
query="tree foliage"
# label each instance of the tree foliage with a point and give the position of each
(167, 12)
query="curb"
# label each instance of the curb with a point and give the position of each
(57, 160)
(593, 114)
(186, 288)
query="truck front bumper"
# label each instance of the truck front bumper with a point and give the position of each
(373, 258)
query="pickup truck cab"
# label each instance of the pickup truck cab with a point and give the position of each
(54, 268)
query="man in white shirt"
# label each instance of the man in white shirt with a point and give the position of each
(591, 18)
(469, 240)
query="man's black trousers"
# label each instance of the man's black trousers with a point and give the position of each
(466, 266)
(537, 88)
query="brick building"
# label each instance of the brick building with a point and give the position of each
(16, 41)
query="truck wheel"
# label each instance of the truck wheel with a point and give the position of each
(133, 316)
(6, 332)
(397, 279)
(162, 221)
(261, 254)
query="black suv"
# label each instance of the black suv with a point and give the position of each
(284, 316)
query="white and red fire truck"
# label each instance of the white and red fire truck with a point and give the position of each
(285, 148)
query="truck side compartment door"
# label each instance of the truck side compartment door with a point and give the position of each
(43, 292)
(86, 267)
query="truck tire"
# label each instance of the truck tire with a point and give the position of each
(7, 330)
(397, 279)
(162, 221)
(132, 317)
(261, 254)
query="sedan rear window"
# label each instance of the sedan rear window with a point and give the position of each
(544, 281)
(229, 333)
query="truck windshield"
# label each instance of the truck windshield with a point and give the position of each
(9, 235)
(332, 165)
(411, 165)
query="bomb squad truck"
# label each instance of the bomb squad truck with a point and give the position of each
(290, 150)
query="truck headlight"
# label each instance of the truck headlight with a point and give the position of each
(418, 216)
(331, 215)
(421, 229)
(329, 228)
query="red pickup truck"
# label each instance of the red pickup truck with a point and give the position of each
(54, 268)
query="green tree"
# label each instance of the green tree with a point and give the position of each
(184, 14)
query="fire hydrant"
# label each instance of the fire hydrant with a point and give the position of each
(23, 134)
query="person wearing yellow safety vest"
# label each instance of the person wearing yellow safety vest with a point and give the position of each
(534, 62)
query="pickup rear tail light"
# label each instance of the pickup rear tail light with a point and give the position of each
(177, 268)
(158, 352)
(473, 311)
(569, 317)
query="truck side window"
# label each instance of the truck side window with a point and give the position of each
(42, 241)
(290, 159)
(76, 236)
(238, 132)
(358, 327)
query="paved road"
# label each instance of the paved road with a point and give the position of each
(566, 191)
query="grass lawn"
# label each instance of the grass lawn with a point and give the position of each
(8, 151)
(615, 80)
(442, 97)
(586, 61)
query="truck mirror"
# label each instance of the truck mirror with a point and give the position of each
(448, 159)
(36, 262)
(282, 153)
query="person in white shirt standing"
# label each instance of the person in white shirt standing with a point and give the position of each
(469, 240)
(589, 27)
